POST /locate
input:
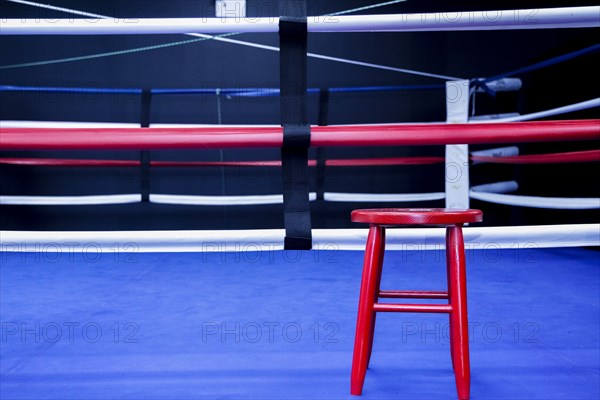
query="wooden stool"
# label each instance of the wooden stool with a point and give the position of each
(370, 293)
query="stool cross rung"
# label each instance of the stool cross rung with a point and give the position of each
(424, 308)
(411, 294)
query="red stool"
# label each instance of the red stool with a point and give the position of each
(370, 293)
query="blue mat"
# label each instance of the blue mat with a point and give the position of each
(280, 325)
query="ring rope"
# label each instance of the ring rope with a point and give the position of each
(222, 200)
(551, 158)
(238, 92)
(542, 64)
(56, 8)
(584, 105)
(108, 54)
(104, 199)
(517, 238)
(87, 14)
(562, 203)
(360, 162)
(559, 203)
(221, 137)
(546, 18)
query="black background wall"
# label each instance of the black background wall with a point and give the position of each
(210, 64)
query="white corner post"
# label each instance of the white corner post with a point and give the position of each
(457, 156)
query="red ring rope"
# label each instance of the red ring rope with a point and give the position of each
(365, 162)
(251, 137)
(61, 162)
(371, 162)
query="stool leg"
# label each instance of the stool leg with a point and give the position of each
(449, 279)
(458, 317)
(379, 267)
(364, 322)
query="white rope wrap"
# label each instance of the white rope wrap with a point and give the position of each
(509, 151)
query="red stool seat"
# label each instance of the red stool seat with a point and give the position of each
(370, 293)
(416, 216)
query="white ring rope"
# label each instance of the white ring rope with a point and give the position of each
(221, 200)
(71, 124)
(584, 105)
(71, 200)
(197, 200)
(496, 193)
(566, 17)
(492, 192)
(382, 197)
(490, 239)
(87, 14)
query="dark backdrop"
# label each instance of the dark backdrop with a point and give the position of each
(211, 64)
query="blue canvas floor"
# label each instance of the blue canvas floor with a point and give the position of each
(278, 325)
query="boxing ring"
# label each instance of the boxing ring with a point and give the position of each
(220, 313)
